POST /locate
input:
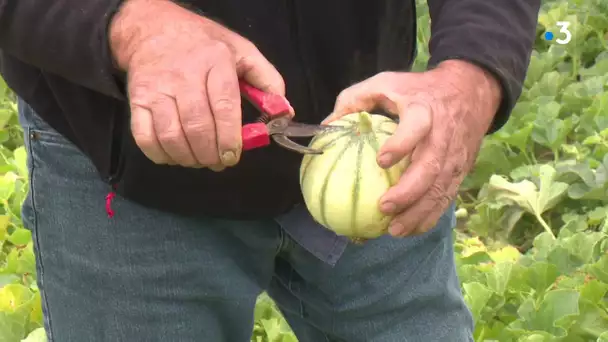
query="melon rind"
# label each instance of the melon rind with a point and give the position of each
(342, 186)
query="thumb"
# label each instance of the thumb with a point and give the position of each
(369, 95)
(254, 68)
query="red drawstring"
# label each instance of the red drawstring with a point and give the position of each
(109, 198)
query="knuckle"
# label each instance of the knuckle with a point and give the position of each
(246, 64)
(344, 96)
(150, 98)
(344, 93)
(139, 94)
(248, 47)
(222, 105)
(169, 137)
(384, 75)
(432, 166)
(196, 127)
(445, 200)
(439, 196)
(144, 141)
(221, 49)
(436, 191)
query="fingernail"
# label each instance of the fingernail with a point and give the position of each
(388, 207)
(395, 228)
(385, 159)
(229, 158)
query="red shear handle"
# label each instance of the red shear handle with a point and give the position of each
(270, 104)
(255, 135)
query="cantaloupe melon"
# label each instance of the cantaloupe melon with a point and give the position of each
(342, 187)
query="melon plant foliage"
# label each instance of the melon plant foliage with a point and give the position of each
(532, 236)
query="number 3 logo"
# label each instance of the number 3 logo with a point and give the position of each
(563, 28)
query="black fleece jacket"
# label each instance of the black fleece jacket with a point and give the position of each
(55, 55)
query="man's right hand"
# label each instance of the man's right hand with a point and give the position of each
(183, 72)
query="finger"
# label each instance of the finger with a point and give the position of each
(197, 122)
(225, 102)
(198, 126)
(169, 132)
(431, 218)
(427, 163)
(414, 125)
(425, 214)
(142, 128)
(411, 221)
(254, 68)
(454, 170)
(426, 210)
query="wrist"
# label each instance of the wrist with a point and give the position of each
(122, 34)
(484, 84)
(131, 25)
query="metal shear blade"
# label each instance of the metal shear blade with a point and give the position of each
(296, 129)
(292, 145)
(283, 128)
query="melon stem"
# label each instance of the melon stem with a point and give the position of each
(365, 123)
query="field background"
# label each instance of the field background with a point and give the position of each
(532, 237)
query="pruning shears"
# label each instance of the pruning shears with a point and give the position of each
(275, 121)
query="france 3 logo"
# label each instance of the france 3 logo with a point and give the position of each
(563, 35)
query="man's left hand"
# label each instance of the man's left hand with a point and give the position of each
(444, 114)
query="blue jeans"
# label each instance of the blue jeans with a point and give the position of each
(146, 275)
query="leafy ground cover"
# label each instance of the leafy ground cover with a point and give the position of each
(532, 239)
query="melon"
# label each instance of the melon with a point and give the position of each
(343, 185)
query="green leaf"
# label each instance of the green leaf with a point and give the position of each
(20, 237)
(555, 314)
(498, 277)
(16, 303)
(525, 194)
(476, 296)
(599, 269)
(592, 321)
(541, 276)
(7, 186)
(20, 161)
(37, 335)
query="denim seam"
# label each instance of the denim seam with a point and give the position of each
(281, 243)
(433, 251)
(46, 311)
(301, 304)
(334, 253)
(293, 292)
